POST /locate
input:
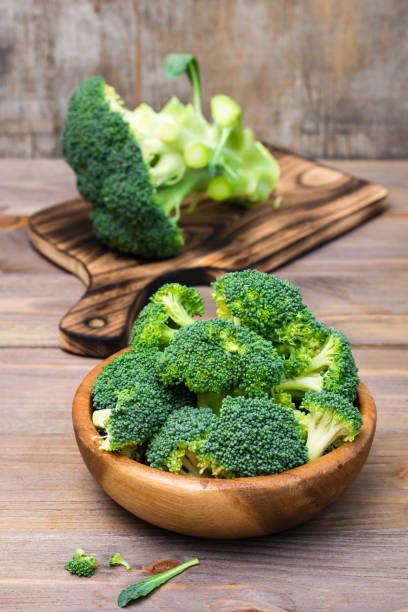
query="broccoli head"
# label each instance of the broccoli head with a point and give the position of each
(251, 437)
(174, 446)
(81, 564)
(137, 167)
(217, 356)
(333, 419)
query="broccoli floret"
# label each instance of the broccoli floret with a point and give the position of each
(174, 446)
(137, 167)
(253, 436)
(139, 412)
(217, 356)
(123, 371)
(332, 369)
(303, 420)
(171, 307)
(180, 302)
(81, 564)
(117, 559)
(333, 419)
(262, 302)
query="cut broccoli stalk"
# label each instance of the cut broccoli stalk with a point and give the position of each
(137, 167)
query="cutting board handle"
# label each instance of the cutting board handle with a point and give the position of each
(100, 323)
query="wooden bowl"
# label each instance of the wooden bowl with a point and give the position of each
(216, 508)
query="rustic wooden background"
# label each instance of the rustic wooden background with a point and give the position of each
(321, 77)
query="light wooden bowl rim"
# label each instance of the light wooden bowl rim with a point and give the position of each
(86, 435)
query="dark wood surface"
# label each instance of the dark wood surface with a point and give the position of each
(319, 203)
(322, 77)
(353, 556)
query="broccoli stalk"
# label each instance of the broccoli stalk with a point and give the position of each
(137, 167)
(117, 559)
(332, 419)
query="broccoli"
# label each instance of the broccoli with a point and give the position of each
(140, 411)
(171, 307)
(174, 446)
(333, 420)
(252, 436)
(117, 559)
(262, 302)
(217, 356)
(137, 167)
(332, 369)
(81, 564)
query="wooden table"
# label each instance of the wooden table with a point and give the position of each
(354, 556)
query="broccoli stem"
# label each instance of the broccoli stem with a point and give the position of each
(298, 386)
(171, 197)
(323, 430)
(323, 358)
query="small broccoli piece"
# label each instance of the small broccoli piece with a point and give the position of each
(253, 436)
(333, 420)
(117, 559)
(332, 369)
(137, 167)
(216, 356)
(171, 307)
(81, 564)
(180, 302)
(173, 448)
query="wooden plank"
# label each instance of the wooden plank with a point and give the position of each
(319, 204)
(338, 91)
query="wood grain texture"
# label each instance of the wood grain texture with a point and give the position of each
(319, 76)
(319, 204)
(353, 556)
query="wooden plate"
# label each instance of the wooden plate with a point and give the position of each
(215, 508)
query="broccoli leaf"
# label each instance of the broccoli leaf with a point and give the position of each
(144, 587)
(177, 63)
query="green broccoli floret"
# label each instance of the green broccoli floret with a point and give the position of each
(81, 564)
(262, 302)
(173, 448)
(180, 302)
(140, 411)
(332, 369)
(333, 419)
(217, 356)
(137, 167)
(117, 559)
(171, 307)
(252, 436)
(129, 370)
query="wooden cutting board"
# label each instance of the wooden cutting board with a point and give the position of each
(319, 203)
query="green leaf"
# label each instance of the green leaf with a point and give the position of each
(144, 587)
(177, 63)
